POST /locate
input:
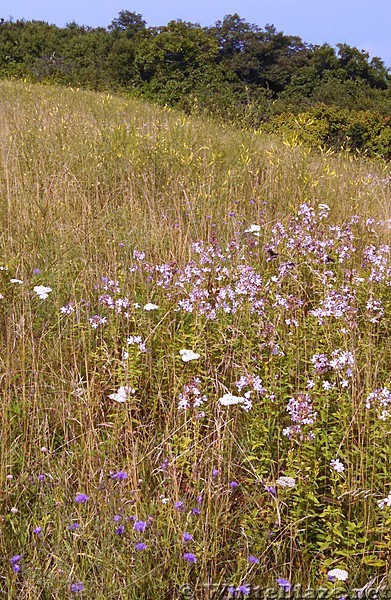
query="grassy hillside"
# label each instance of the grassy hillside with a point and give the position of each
(130, 469)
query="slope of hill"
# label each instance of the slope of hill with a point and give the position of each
(195, 359)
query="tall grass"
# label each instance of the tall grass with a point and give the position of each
(116, 204)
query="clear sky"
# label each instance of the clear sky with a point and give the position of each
(365, 24)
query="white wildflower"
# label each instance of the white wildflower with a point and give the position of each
(255, 229)
(122, 394)
(42, 291)
(149, 306)
(187, 355)
(337, 465)
(284, 482)
(16, 281)
(337, 574)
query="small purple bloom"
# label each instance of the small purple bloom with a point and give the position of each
(187, 537)
(270, 489)
(215, 472)
(15, 559)
(36, 271)
(37, 530)
(117, 518)
(73, 526)
(77, 587)
(81, 498)
(140, 525)
(233, 484)
(120, 530)
(178, 504)
(41, 478)
(196, 511)
(120, 476)
(253, 560)
(16, 568)
(199, 499)
(284, 584)
(244, 589)
(140, 546)
(190, 557)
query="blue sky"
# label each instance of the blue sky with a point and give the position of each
(362, 23)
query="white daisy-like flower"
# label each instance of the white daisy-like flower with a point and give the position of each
(255, 229)
(337, 465)
(13, 280)
(337, 574)
(122, 394)
(230, 400)
(42, 291)
(150, 306)
(187, 355)
(284, 482)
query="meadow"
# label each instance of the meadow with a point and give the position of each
(195, 356)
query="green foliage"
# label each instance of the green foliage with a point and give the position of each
(331, 127)
(234, 70)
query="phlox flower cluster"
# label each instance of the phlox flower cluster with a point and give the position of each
(136, 340)
(253, 382)
(340, 362)
(302, 415)
(379, 262)
(192, 396)
(381, 400)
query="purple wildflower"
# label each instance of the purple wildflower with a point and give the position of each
(187, 537)
(37, 530)
(77, 587)
(179, 504)
(190, 557)
(284, 584)
(73, 526)
(81, 498)
(244, 589)
(140, 546)
(119, 476)
(140, 526)
(233, 484)
(120, 530)
(253, 560)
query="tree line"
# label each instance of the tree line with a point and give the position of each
(240, 72)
